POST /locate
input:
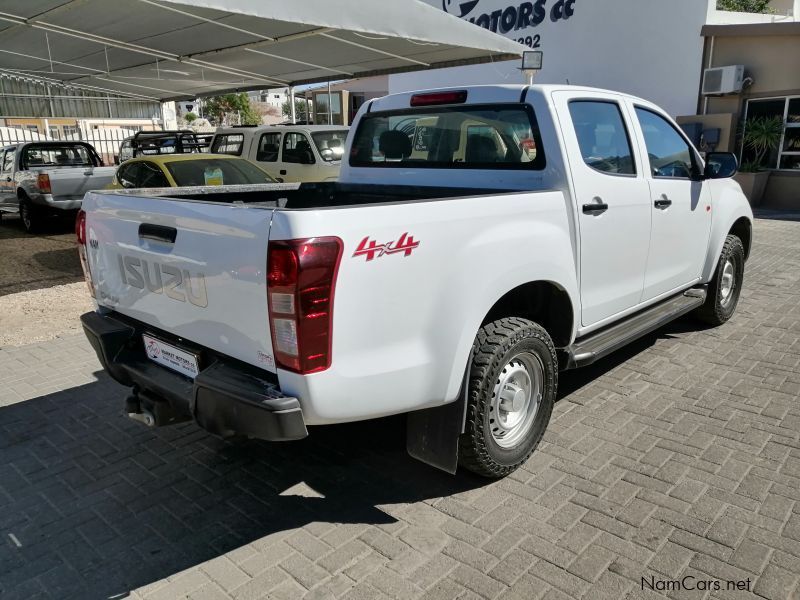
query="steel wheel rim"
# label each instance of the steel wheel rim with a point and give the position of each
(728, 283)
(516, 398)
(25, 214)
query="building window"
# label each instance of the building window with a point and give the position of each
(323, 106)
(54, 132)
(787, 154)
(33, 128)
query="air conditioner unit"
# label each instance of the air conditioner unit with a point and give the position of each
(723, 80)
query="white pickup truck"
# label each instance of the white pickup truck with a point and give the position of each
(46, 179)
(479, 242)
(290, 153)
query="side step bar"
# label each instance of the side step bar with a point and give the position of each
(584, 351)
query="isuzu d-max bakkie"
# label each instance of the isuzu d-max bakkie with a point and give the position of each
(479, 241)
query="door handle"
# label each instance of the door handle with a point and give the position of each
(158, 233)
(595, 208)
(283, 171)
(663, 203)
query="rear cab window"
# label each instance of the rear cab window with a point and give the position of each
(228, 143)
(466, 136)
(57, 155)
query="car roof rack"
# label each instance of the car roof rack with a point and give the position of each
(184, 141)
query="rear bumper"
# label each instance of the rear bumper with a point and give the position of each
(225, 398)
(58, 202)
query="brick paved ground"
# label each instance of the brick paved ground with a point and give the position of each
(680, 456)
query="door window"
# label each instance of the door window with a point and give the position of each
(670, 155)
(268, 147)
(297, 149)
(151, 176)
(602, 136)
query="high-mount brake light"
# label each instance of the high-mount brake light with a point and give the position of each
(436, 98)
(80, 233)
(301, 281)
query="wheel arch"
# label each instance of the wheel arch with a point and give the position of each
(743, 229)
(543, 302)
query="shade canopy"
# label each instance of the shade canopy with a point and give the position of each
(182, 49)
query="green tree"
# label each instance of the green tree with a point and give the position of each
(762, 135)
(300, 109)
(750, 6)
(231, 109)
(190, 117)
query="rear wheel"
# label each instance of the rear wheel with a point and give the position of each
(513, 384)
(30, 216)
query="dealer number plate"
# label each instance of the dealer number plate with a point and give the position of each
(171, 357)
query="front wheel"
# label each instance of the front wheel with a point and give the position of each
(512, 389)
(726, 286)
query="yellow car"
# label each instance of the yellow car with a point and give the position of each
(182, 170)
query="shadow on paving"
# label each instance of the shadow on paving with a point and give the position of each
(776, 215)
(102, 505)
(11, 227)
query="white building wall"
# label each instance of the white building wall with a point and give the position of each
(649, 48)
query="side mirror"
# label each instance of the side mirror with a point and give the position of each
(721, 165)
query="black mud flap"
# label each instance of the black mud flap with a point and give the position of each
(432, 434)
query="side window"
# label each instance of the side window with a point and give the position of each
(602, 136)
(297, 149)
(268, 147)
(8, 160)
(670, 155)
(151, 176)
(125, 151)
(127, 175)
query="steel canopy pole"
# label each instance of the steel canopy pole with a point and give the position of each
(291, 100)
(330, 104)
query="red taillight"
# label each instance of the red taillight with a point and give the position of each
(43, 183)
(301, 281)
(434, 98)
(80, 233)
(80, 227)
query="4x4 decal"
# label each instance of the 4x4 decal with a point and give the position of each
(372, 249)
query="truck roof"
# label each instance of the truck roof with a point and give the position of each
(491, 93)
(263, 128)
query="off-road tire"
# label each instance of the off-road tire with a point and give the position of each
(495, 345)
(717, 309)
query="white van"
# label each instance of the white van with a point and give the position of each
(290, 153)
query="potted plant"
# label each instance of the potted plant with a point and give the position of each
(761, 136)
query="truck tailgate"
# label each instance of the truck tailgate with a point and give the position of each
(71, 183)
(195, 269)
